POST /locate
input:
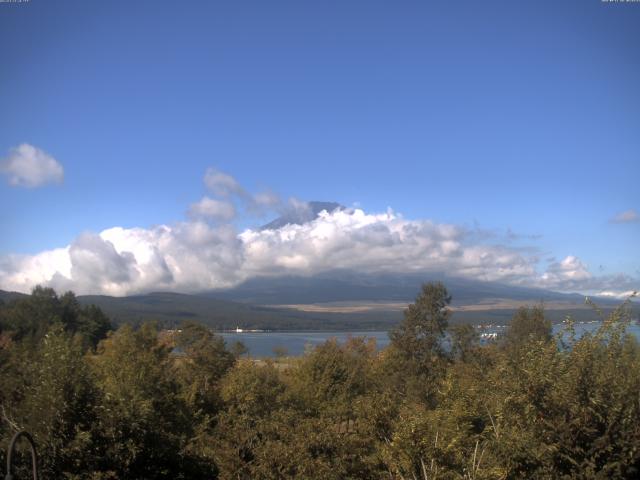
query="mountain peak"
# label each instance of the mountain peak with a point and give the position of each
(301, 214)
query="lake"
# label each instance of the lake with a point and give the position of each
(262, 344)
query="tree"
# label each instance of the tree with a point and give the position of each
(332, 376)
(528, 325)
(143, 416)
(32, 316)
(54, 398)
(417, 358)
(464, 342)
(204, 361)
(252, 394)
(420, 334)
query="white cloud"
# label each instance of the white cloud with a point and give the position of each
(227, 188)
(569, 271)
(268, 199)
(628, 216)
(617, 293)
(373, 243)
(196, 255)
(22, 272)
(28, 166)
(572, 275)
(213, 209)
(221, 184)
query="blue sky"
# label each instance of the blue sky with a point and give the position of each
(497, 116)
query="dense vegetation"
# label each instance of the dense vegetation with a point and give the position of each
(144, 403)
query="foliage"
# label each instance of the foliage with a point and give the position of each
(417, 357)
(50, 393)
(528, 325)
(32, 316)
(151, 404)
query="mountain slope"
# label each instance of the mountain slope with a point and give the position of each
(343, 286)
(338, 300)
(304, 214)
(9, 296)
(172, 308)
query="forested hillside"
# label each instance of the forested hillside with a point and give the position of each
(143, 403)
(338, 300)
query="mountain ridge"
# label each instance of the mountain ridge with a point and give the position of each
(338, 300)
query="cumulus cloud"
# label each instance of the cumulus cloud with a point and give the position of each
(29, 166)
(95, 260)
(22, 272)
(572, 275)
(188, 256)
(375, 242)
(568, 271)
(628, 216)
(197, 255)
(221, 184)
(229, 190)
(213, 209)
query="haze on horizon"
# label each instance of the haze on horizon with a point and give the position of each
(489, 141)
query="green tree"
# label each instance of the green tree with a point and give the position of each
(416, 359)
(465, 341)
(199, 366)
(252, 394)
(32, 316)
(204, 361)
(143, 417)
(528, 325)
(332, 376)
(53, 397)
(569, 413)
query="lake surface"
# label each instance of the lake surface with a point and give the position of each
(262, 344)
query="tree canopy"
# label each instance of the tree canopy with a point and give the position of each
(146, 403)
